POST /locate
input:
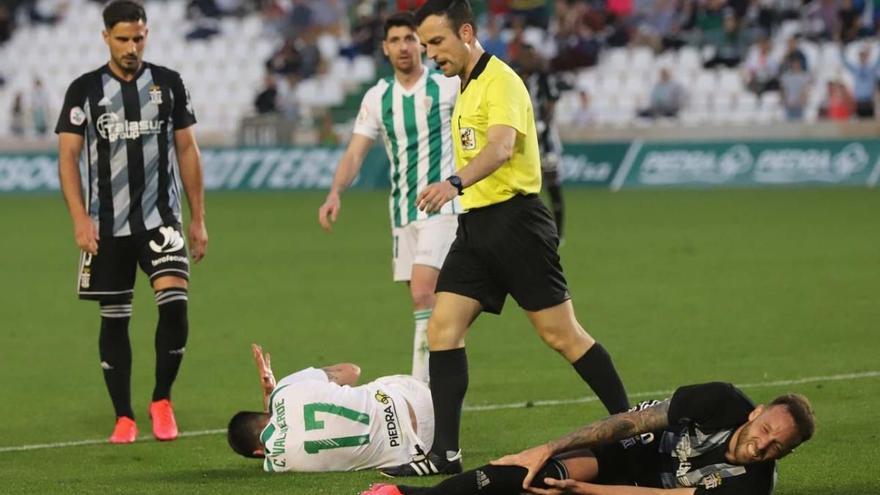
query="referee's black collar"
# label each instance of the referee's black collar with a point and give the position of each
(478, 69)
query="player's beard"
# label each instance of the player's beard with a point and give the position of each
(128, 64)
(741, 450)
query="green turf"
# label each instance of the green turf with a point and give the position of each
(680, 286)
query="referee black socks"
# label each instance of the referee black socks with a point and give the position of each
(114, 348)
(171, 334)
(449, 382)
(596, 368)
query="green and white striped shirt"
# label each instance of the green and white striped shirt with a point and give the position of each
(415, 125)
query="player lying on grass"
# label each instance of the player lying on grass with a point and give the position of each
(320, 420)
(708, 439)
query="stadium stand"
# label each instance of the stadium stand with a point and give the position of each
(609, 80)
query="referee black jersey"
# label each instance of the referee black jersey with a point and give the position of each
(129, 170)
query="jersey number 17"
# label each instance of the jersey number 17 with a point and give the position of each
(312, 423)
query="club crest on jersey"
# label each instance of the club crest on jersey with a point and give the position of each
(468, 138)
(429, 102)
(155, 95)
(382, 397)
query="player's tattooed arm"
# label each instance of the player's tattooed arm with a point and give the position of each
(611, 429)
(614, 428)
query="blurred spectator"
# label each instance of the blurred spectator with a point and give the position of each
(659, 24)
(411, 5)
(517, 41)
(761, 69)
(267, 99)
(491, 39)
(39, 108)
(46, 11)
(328, 15)
(619, 8)
(822, 19)
(534, 12)
(205, 17)
(578, 49)
(864, 80)
(793, 51)
(366, 33)
(310, 55)
(838, 104)
(16, 120)
(709, 20)
(794, 84)
(667, 97)
(300, 18)
(286, 61)
(729, 45)
(848, 21)
(7, 23)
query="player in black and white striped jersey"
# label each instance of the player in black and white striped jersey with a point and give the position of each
(126, 142)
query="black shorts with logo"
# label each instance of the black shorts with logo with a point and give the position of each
(110, 274)
(506, 248)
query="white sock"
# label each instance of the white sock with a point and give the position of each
(420, 345)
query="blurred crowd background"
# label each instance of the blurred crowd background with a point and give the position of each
(621, 63)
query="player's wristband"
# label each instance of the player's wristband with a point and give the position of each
(456, 182)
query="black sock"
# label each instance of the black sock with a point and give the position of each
(449, 381)
(114, 349)
(596, 368)
(171, 333)
(557, 205)
(490, 480)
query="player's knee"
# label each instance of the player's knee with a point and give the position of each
(564, 337)
(444, 333)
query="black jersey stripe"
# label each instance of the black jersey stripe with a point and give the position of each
(105, 188)
(135, 154)
(165, 140)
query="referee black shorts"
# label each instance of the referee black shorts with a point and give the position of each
(506, 248)
(110, 275)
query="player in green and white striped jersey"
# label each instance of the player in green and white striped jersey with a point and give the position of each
(411, 111)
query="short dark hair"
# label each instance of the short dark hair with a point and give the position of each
(458, 12)
(123, 11)
(801, 411)
(400, 19)
(243, 432)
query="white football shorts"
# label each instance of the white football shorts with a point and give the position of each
(423, 242)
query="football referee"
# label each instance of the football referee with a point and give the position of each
(507, 241)
(126, 138)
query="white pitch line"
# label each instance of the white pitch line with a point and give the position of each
(488, 407)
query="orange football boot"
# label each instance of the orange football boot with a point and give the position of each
(126, 430)
(164, 424)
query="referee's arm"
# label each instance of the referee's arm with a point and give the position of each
(500, 142)
(85, 231)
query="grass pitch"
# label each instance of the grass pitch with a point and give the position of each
(751, 286)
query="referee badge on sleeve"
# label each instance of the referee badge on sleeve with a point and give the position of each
(468, 138)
